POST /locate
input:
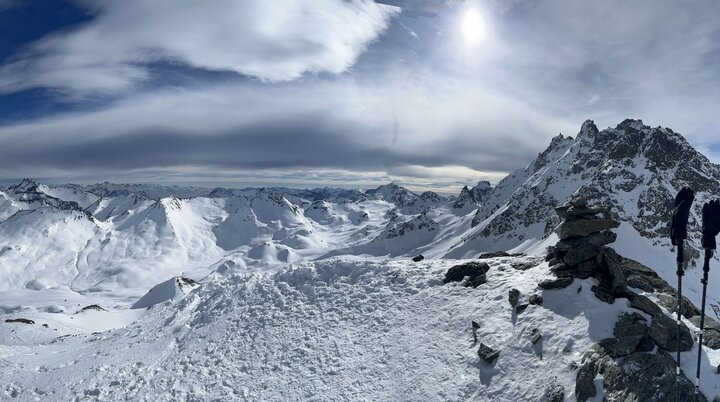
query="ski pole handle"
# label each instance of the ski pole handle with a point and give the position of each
(681, 213)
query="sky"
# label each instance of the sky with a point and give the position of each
(342, 93)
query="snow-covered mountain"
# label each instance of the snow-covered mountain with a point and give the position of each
(63, 247)
(632, 168)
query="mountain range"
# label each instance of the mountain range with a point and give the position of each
(118, 246)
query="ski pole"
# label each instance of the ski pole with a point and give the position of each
(678, 233)
(704, 281)
(680, 273)
(710, 229)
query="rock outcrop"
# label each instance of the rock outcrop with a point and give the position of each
(474, 272)
(488, 354)
(626, 360)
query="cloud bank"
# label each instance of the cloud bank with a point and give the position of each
(276, 40)
(316, 89)
(339, 125)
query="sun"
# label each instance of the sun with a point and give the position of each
(473, 27)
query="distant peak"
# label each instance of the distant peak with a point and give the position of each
(636, 124)
(26, 184)
(484, 184)
(392, 184)
(589, 128)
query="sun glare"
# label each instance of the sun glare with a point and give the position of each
(473, 27)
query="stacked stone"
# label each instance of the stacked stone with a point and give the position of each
(581, 251)
(636, 361)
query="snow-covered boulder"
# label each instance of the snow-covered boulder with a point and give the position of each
(173, 289)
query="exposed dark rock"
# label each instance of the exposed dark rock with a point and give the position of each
(586, 269)
(521, 308)
(642, 303)
(488, 354)
(711, 331)
(523, 265)
(629, 331)
(536, 299)
(596, 239)
(585, 227)
(562, 269)
(535, 336)
(581, 253)
(585, 382)
(555, 283)
(578, 201)
(612, 263)
(477, 281)
(92, 307)
(418, 258)
(642, 277)
(603, 294)
(473, 270)
(554, 393)
(475, 324)
(669, 301)
(646, 344)
(630, 325)
(513, 297)
(20, 320)
(637, 281)
(643, 377)
(571, 211)
(493, 254)
(663, 331)
(184, 281)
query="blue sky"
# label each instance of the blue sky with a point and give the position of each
(338, 92)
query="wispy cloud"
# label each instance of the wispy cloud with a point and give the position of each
(412, 103)
(339, 125)
(270, 40)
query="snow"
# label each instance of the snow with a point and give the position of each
(357, 328)
(311, 294)
(173, 289)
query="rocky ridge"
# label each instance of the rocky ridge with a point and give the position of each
(633, 168)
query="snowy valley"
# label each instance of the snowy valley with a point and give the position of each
(148, 292)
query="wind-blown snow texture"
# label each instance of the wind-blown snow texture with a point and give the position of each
(337, 329)
(403, 336)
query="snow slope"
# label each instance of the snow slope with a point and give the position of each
(338, 329)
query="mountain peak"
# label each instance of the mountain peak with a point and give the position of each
(26, 185)
(588, 128)
(390, 186)
(635, 124)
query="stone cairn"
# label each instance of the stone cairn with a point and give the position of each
(581, 251)
(625, 359)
